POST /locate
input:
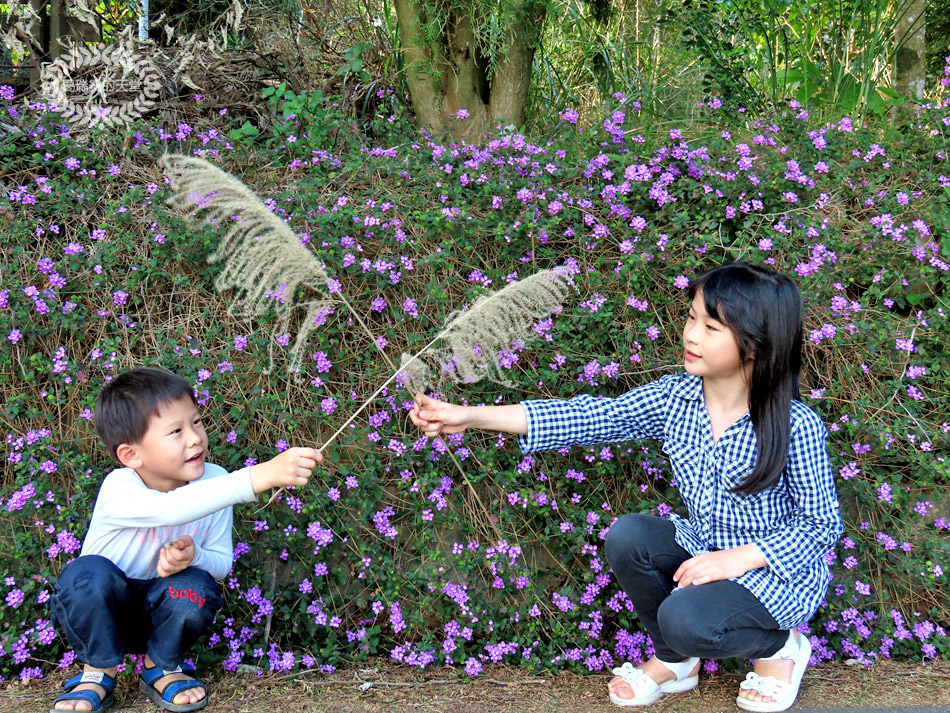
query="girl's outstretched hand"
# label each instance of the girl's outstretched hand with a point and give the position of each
(438, 417)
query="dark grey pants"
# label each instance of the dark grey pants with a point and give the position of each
(716, 620)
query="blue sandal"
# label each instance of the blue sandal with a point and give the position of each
(98, 703)
(163, 699)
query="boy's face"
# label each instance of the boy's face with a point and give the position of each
(172, 451)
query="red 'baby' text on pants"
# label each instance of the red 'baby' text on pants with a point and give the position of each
(188, 594)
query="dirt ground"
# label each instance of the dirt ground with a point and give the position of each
(501, 689)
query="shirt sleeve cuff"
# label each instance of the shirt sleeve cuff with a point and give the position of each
(244, 487)
(527, 441)
(773, 561)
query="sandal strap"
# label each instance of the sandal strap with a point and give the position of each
(681, 669)
(90, 697)
(765, 685)
(176, 687)
(639, 681)
(99, 678)
(96, 702)
(151, 675)
(172, 689)
(788, 651)
(628, 672)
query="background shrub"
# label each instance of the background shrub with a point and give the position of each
(463, 550)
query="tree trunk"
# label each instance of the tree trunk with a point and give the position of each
(423, 64)
(512, 78)
(910, 66)
(464, 81)
(449, 73)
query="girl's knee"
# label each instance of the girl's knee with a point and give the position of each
(627, 535)
(684, 629)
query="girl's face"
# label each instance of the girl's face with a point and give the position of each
(711, 347)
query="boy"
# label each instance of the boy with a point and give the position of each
(146, 578)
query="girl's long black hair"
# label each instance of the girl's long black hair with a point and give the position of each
(764, 310)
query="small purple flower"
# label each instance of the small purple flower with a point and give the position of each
(681, 282)
(14, 598)
(849, 471)
(570, 116)
(323, 363)
(922, 507)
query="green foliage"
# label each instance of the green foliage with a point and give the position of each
(832, 56)
(466, 550)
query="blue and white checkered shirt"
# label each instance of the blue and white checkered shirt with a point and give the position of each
(794, 523)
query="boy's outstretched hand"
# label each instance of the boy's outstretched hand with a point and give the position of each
(292, 467)
(175, 556)
(436, 417)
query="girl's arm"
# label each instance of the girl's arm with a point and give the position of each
(548, 424)
(438, 417)
(719, 565)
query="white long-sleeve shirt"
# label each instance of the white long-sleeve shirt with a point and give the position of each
(131, 523)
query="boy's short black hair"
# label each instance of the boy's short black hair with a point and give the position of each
(128, 402)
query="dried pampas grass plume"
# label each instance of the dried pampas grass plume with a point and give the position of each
(413, 374)
(474, 340)
(476, 337)
(263, 258)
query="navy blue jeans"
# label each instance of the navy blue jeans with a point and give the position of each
(106, 615)
(716, 620)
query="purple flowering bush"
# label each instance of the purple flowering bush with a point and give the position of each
(462, 550)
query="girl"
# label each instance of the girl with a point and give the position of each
(747, 567)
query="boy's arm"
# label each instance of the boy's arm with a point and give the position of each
(216, 554)
(125, 501)
(292, 467)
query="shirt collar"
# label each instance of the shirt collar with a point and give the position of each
(689, 387)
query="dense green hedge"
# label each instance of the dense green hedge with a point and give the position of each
(466, 551)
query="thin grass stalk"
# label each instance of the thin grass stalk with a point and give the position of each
(491, 323)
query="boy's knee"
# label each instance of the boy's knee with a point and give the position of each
(192, 593)
(91, 577)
